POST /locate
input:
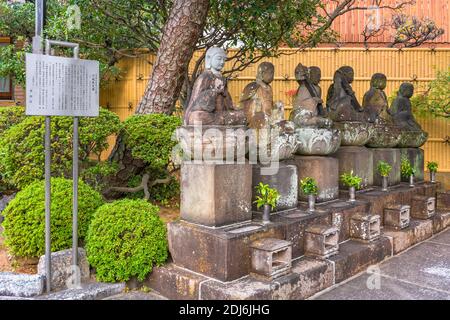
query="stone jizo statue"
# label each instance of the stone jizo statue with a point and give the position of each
(342, 104)
(257, 97)
(401, 109)
(210, 102)
(308, 110)
(375, 101)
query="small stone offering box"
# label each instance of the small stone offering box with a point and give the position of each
(365, 227)
(321, 241)
(271, 258)
(423, 207)
(397, 216)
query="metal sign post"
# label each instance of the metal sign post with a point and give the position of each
(76, 50)
(40, 8)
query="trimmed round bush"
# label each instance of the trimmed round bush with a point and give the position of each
(125, 239)
(24, 224)
(22, 146)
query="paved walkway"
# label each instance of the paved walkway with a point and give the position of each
(421, 273)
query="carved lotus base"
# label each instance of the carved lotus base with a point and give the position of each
(412, 139)
(212, 142)
(384, 136)
(354, 133)
(318, 142)
(265, 147)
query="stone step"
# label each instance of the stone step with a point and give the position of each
(308, 277)
(137, 295)
(355, 256)
(418, 230)
(90, 291)
(21, 285)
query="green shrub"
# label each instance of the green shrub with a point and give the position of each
(22, 146)
(309, 186)
(406, 168)
(432, 166)
(125, 239)
(10, 116)
(351, 180)
(24, 222)
(150, 138)
(384, 168)
(266, 195)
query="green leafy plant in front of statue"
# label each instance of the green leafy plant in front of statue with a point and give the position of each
(309, 186)
(384, 168)
(432, 166)
(351, 180)
(406, 168)
(24, 222)
(22, 148)
(126, 238)
(266, 195)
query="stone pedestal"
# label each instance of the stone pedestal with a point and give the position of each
(358, 159)
(391, 156)
(216, 194)
(284, 179)
(325, 170)
(416, 157)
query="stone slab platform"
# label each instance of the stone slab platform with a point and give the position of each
(224, 253)
(308, 277)
(400, 194)
(418, 231)
(355, 256)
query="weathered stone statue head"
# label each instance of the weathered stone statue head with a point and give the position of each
(266, 72)
(301, 72)
(315, 74)
(215, 59)
(378, 81)
(406, 90)
(348, 73)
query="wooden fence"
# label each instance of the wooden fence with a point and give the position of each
(418, 66)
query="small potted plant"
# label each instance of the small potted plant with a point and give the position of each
(309, 188)
(267, 197)
(432, 167)
(384, 169)
(407, 170)
(353, 182)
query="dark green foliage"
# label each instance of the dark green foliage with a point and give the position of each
(10, 116)
(24, 223)
(150, 138)
(125, 239)
(22, 146)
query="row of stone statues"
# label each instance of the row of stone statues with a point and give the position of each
(211, 104)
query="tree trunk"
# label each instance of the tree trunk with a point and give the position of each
(181, 32)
